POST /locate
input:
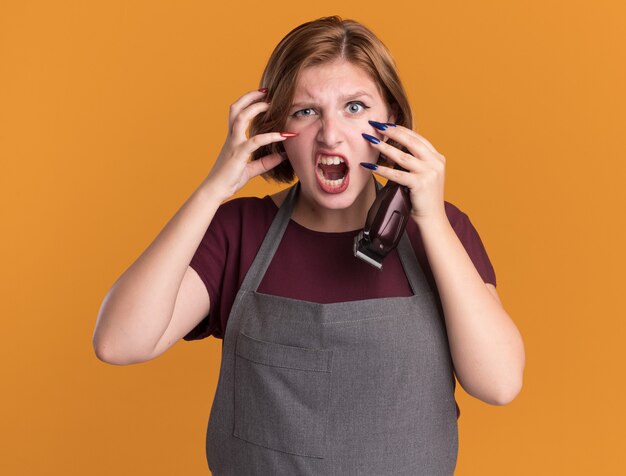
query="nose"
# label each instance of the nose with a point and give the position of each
(330, 133)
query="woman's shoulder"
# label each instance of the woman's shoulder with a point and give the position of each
(460, 221)
(244, 204)
(454, 213)
(247, 205)
(244, 213)
(471, 240)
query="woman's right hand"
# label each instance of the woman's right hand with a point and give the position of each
(233, 169)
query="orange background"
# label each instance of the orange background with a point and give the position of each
(111, 114)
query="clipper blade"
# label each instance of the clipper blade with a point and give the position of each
(361, 251)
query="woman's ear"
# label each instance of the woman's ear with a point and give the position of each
(393, 114)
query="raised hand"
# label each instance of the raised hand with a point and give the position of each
(233, 168)
(424, 169)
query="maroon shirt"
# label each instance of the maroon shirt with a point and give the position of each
(308, 265)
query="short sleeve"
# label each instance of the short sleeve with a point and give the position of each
(224, 255)
(469, 237)
(209, 262)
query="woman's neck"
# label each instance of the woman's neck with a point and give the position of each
(314, 217)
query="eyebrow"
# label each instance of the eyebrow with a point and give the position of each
(347, 98)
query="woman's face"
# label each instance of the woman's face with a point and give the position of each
(331, 106)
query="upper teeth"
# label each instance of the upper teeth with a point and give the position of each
(331, 160)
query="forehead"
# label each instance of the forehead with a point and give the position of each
(336, 78)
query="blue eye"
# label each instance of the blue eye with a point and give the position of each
(304, 112)
(355, 107)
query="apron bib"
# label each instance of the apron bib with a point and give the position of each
(350, 388)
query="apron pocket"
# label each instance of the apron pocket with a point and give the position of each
(281, 396)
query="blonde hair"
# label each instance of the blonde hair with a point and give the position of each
(313, 43)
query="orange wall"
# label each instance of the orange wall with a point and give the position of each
(111, 114)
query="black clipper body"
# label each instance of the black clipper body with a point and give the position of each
(386, 221)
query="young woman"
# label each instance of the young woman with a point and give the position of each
(329, 366)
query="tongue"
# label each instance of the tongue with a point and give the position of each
(333, 172)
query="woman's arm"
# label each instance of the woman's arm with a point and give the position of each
(486, 347)
(140, 305)
(157, 300)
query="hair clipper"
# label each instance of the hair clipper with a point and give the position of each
(386, 221)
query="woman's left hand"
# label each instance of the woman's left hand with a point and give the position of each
(425, 171)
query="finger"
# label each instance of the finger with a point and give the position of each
(241, 103)
(264, 164)
(423, 139)
(395, 155)
(436, 154)
(243, 119)
(415, 143)
(398, 176)
(410, 140)
(418, 136)
(259, 140)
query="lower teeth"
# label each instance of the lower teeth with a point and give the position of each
(333, 183)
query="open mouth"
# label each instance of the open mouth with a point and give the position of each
(332, 173)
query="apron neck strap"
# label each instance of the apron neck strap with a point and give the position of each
(270, 243)
(410, 264)
(408, 259)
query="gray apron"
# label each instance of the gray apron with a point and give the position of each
(350, 388)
